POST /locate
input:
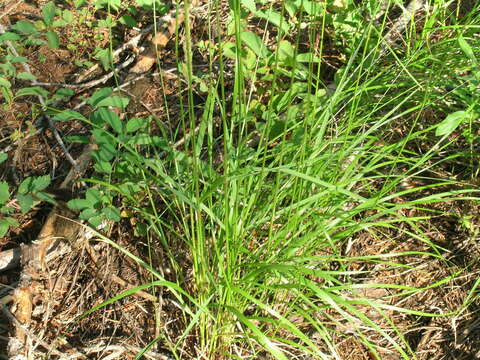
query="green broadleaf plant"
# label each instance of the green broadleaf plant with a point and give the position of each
(452, 122)
(48, 12)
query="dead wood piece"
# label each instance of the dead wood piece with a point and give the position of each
(58, 226)
(159, 40)
(29, 254)
(24, 306)
(10, 259)
(131, 44)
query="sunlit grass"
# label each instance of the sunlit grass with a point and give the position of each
(266, 229)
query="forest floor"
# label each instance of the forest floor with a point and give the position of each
(416, 275)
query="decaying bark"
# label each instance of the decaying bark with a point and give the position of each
(54, 240)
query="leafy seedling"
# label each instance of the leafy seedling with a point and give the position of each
(6, 222)
(96, 207)
(30, 192)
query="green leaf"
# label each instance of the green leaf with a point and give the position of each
(285, 50)
(141, 229)
(274, 18)
(59, 23)
(277, 129)
(4, 226)
(3, 157)
(93, 197)
(250, 61)
(95, 221)
(26, 76)
(307, 58)
(67, 115)
(108, 4)
(103, 167)
(12, 222)
(9, 36)
(149, 4)
(99, 95)
(111, 213)
(291, 8)
(34, 184)
(63, 94)
(48, 12)
(25, 27)
(107, 22)
(79, 3)
(32, 91)
(128, 21)
(115, 101)
(147, 139)
(313, 8)
(7, 94)
(6, 210)
(43, 196)
(105, 57)
(77, 139)
(68, 16)
(129, 189)
(8, 69)
(467, 49)
(255, 43)
(78, 204)
(112, 119)
(102, 137)
(106, 143)
(451, 122)
(4, 193)
(53, 40)
(25, 202)
(249, 5)
(16, 59)
(106, 153)
(4, 82)
(30, 41)
(87, 213)
(26, 186)
(40, 183)
(7, 223)
(135, 124)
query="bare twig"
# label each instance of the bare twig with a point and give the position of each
(11, 8)
(117, 279)
(92, 83)
(131, 44)
(16, 143)
(32, 336)
(124, 348)
(127, 83)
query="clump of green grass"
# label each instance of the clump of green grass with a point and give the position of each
(265, 209)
